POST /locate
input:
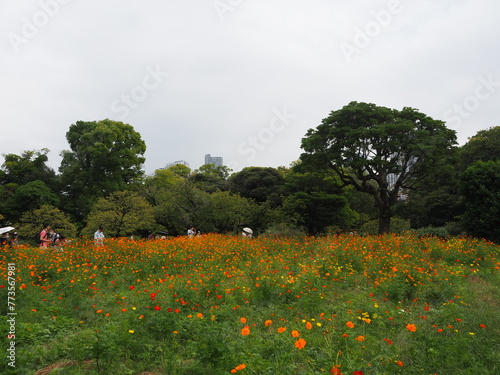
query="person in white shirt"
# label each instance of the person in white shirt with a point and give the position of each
(99, 237)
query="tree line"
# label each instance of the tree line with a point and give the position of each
(365, 168)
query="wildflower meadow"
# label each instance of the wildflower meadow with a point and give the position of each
(220, 304)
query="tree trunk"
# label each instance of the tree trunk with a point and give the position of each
(384, 221)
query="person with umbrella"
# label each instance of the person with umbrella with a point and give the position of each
(4, 235)
(247, 232)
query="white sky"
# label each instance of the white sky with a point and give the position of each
(239, 79)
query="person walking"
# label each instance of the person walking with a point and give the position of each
(99, 237)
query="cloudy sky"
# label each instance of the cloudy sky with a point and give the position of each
(239, 79)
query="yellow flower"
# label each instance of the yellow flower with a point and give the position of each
(131, 331)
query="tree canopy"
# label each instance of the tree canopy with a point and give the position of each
(105, 156)
(480, 186)
(377, 150)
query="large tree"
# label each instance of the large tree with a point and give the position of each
(378, 150)
(26, 182)
(480, 187)
(122, 213)
(485, 145)
(316, 201)
(106, 156)
(262, 184)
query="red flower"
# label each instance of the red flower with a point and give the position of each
(358, 373)
(335, 371)
(157, 308)
(153, 296)
(131, 287)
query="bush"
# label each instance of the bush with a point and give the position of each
(284, 229)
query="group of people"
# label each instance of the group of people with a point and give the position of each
(191, 232)
(10, 240)
(49, 238)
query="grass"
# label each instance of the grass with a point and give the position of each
(222, 304)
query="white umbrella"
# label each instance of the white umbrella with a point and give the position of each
(6, 229)
(247, 230)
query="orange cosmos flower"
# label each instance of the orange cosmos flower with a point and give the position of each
(309, 325)
(399, 363)
(350, 324)
(268, 322)
(243, 320)
(281, 329)
(245, 331)
(411, 327)
(335, 370)
(300, 343)
(295, 333)
(360, 338)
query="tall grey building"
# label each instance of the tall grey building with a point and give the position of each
(215, 160)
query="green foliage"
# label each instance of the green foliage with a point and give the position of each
(106, 156)
(316, 201)
(480, 186)
(122, 213)
(26, 182)
(33, 221)
(366, 144)
(210, 178)
(484, 146)
(258, 183)
(284, 230)
(398, 226)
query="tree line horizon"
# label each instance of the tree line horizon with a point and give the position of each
(365, 168)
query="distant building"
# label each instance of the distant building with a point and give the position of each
(215, 160)
(183, 162)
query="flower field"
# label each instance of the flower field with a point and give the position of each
(222, 304)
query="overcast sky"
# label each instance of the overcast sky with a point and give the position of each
(240, 79)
